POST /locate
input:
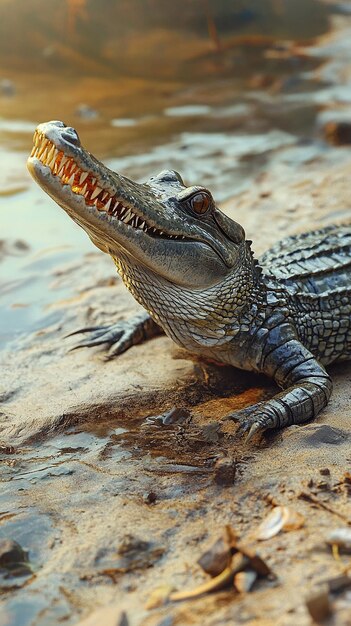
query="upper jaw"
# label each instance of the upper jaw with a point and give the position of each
(58, 157)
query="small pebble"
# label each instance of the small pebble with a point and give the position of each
(217, 558)
(224, 472)
(244, 581)
(325, 471)
(319, 606)
(13, 558)
(338, 133)
(150, 497)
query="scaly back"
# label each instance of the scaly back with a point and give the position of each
(318, 262)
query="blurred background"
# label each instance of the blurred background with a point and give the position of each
(220, 90)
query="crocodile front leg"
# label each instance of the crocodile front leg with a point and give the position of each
(121, 336)
(307, 389)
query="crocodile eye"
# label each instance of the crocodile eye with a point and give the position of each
(200, 203)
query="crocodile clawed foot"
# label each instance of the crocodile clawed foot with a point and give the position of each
(118, 338)
(251, 421)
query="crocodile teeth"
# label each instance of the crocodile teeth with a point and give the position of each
(68, 166)
(129, 216)
(42, 150)
(57, 164)
(51, 157)
(42, 156)
(51, 153)
(73, 175)
(96, 192)
(51, 164)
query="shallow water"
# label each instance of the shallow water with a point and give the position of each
(223, 122)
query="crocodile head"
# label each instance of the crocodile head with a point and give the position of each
(179, 255)
(174, 230)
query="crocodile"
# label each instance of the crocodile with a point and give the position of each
(286, 315)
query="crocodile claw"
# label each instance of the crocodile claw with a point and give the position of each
(253, 430)
(86, 329)
(251, 421)
(118, 337)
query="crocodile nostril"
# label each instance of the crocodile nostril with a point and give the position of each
(57, 123)
(71, 136)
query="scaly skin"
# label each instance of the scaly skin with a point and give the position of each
(189, 266)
